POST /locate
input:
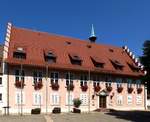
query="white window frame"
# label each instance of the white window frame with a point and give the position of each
(20, 76)
(108, 82)
(138, 83)
(39, 100)
(55, 99)
(18, 102)
(96, 80)
(129, 102)
(119, 100)
(119, 82)
(70, 78)
(71, 98)
(129, 83)
(38, 77)
(55, 78)
(84, 80)
(137, 100)
(83, 100)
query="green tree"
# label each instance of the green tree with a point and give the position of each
(145, 60)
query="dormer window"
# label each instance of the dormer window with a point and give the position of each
(19, 53)
(75, 59)
(97, 62)
(50, 56)
(117, 65)
(134, 67)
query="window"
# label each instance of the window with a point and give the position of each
(0, 80)
(119, 82)
(96, 80)
(37, 76)
(19, 76)
(19, 53)
(119, 99)
(37, 98)
(84, 99)
(69, 99)
(1, 97)
(97, 62)
(138, 99)
(55, 99)
(134, 67)
(69, 78)
(117, 65)
(83, 80)
(54, 77)
(129, 99)
(138, 83)
(18, 98)
(49, 56)
(75, 59)
(129, 85)
(108, 82)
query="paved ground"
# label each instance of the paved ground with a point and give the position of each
(24, 118)
(115, 116)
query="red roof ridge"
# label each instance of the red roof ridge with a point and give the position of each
(87, 42)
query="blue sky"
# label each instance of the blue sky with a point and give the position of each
(116, 22)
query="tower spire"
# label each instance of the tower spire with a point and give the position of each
(92, 37)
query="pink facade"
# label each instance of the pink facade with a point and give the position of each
(114, 100)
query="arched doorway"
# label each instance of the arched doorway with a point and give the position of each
(102, 98)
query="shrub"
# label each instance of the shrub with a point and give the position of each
(36, 111)
(56, 110)
(77, 102)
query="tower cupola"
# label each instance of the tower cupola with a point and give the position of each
(92, 37)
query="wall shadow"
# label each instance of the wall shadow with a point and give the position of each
(134, 116)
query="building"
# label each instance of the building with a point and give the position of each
(45, 71)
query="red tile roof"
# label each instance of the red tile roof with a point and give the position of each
(35, 43)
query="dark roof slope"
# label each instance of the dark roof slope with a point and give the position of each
(36, 42)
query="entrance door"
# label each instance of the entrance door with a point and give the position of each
(102, 101)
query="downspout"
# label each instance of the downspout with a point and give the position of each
(7, 89)
(89, 101)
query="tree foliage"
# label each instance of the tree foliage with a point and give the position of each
(145, 60)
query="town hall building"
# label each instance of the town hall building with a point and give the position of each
(43, 70)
